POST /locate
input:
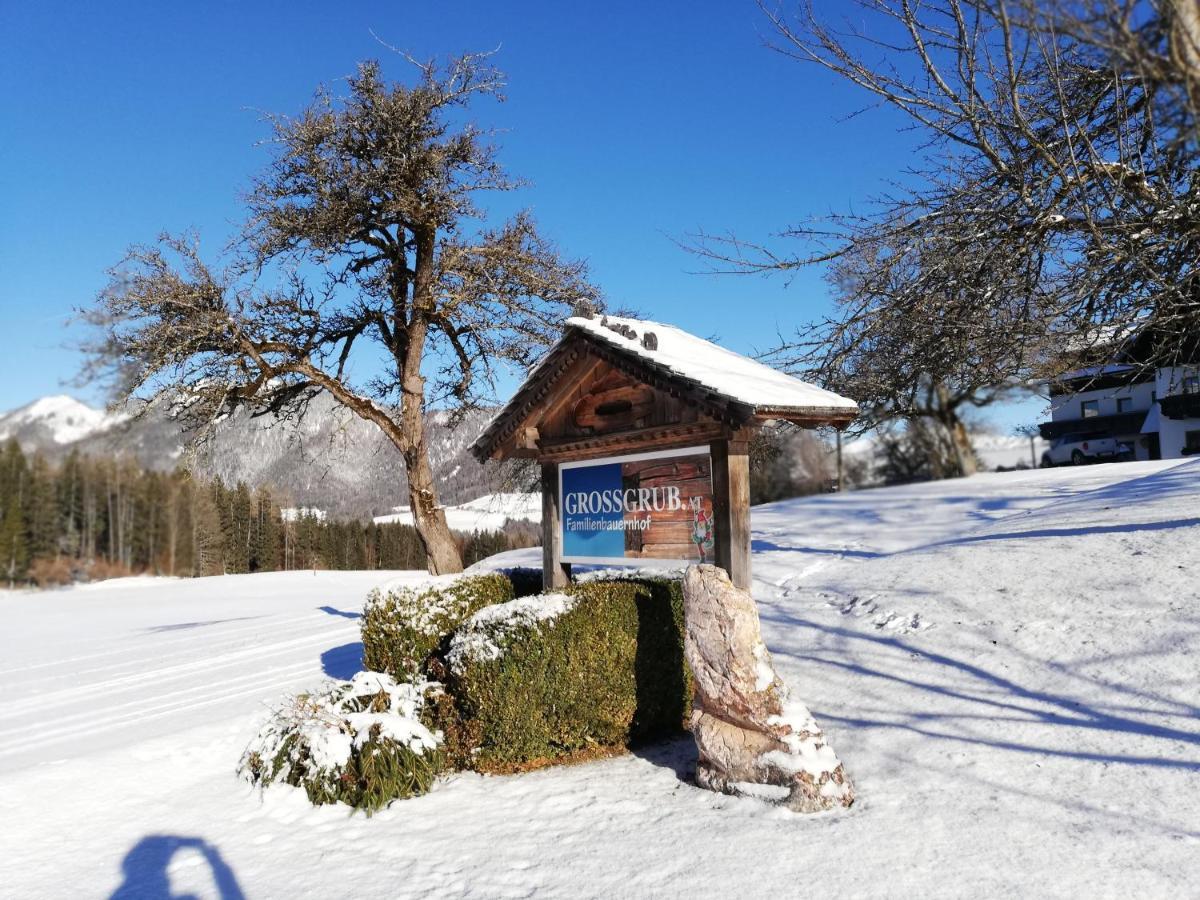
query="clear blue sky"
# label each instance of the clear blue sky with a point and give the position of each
(635, 122)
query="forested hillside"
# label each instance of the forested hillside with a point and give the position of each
(88, 518)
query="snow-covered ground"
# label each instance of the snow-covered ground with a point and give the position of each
(994, 451)
(486, 513)
(1008, 666)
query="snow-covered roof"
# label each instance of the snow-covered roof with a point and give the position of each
(1095, 372)
(722, 371)
(701, 368)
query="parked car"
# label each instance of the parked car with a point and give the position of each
(1085, 447)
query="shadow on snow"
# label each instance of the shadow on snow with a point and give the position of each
(145, 869)
(343, 662)
(995, 701)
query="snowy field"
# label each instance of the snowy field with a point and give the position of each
(486, 513)
(993, 450)
(1009, 666)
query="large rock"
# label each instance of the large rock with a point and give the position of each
(752, 738)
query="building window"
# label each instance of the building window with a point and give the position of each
(1191, 442)
(1090, 408)
(1191, 384)
(1124, 404)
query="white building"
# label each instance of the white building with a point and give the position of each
(1156, 411)
(1178, 407)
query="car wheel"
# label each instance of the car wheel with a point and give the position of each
(1077, 458)
(1047, 462)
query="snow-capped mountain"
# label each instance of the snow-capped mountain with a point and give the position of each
(332, 460)
(55, 420)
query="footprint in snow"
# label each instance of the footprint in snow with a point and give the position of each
(884, 620)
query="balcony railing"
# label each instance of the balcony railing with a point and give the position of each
(1181, 406)
(1114, 426)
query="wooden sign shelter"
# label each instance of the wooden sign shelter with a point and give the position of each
(643, 434)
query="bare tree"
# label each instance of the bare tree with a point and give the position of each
(921, 332)
(1066, 130)
(1059, 139)
(786, 462)
(359, 273)
(920, 451)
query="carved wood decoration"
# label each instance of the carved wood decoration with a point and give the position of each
(600, 410)
(615, 403)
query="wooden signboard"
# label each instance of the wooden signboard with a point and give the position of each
(656, 505)
(640, 459)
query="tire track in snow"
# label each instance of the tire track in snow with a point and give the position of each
(108, 723)
(263, 623)
(167, 673)
(174, 700)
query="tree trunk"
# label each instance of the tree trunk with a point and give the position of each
(964, 453)
(441, 550)
(1185, 44)
(960, 441)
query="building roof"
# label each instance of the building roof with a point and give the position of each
(744, 387)
(722, 371)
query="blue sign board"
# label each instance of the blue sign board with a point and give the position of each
(642, 506)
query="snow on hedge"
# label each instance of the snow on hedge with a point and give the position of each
(484, 635)
(402, 627)
(430, 609)
(332, 742)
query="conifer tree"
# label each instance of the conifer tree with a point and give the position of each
(70, 505)
(238, 529)
(13, 468)
(265, 553)
(13, 551)
(207, 532)
(41, 511)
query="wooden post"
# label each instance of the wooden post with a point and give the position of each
(556, 574)
(841, 469)
(731, 507)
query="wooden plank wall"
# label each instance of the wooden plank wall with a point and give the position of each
(670, 534)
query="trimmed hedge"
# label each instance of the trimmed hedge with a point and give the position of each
(525, 582)
(400, 629)
(606, 672)
(480, 673)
